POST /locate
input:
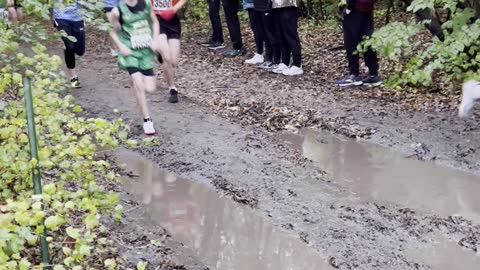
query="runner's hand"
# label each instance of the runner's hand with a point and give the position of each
(168, 14)
(124, 50)
(155, 44)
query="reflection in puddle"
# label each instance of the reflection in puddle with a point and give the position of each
(446, 255)
(224, 235)
(382, 175)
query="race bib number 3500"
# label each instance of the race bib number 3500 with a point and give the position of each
(162, 4)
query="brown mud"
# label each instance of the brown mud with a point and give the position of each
(223, 234)
(220, 135)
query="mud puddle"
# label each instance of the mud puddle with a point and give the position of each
(446, 255)
(224, 235)
(385, 176)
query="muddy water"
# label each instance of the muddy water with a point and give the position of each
(224, 235)
(375, 173)
(445, 255)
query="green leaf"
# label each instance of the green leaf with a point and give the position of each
(53, 222)
(49, 188)
(132, 143)
(85, 250)
(151, 141)
(110, 264)
(118, 213)
(73, 233)
(69, 205)
(68, 261)
(77, 109)
(24, 264)
(92, 221)
(142, 265)
(67, 251)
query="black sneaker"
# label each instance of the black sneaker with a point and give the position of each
(75, 83)
(372, 81)
(234, 53)
(216, 45)
(266, 65)
(349, 80)
(173, 96)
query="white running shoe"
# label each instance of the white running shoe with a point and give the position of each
(293, 71)
(114, 52)
(470, 94)
(148, 128)
(280, 68)
(257, 59)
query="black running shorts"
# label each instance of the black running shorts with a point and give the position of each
(107, 9)
(171, 28)
(132, 70)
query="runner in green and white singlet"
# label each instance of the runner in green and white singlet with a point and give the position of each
(134, 29)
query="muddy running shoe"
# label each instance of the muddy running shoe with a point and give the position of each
(216, 45)
(255, 60)
(75, 83)
(372, 81)
(234, 53)
(280, 68)
(349, 80)
(293, 71)
(266, 65)
(148, 128)
(173, 96)
(470, 94)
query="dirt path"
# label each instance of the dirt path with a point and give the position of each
(253, 167)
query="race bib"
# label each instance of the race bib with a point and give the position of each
(3, 14)
(141, 35)
(159, 5)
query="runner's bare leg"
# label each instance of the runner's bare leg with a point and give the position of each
(139, 88)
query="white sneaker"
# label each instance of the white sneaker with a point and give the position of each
(114, 52)
(280, 68)
(293, 71)
(470, 94)
(255, 60)
(148, 128)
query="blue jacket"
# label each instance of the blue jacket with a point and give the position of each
(111, 3)
(70, 12)
(247, 4)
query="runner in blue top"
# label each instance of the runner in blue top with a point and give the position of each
(69, 18)
(108, 5)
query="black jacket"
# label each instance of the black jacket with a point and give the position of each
(361, 5)
(262, 5)
(351, 4)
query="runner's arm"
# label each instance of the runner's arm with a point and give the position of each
(115, 19)
(179, 5)
(155, 23)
